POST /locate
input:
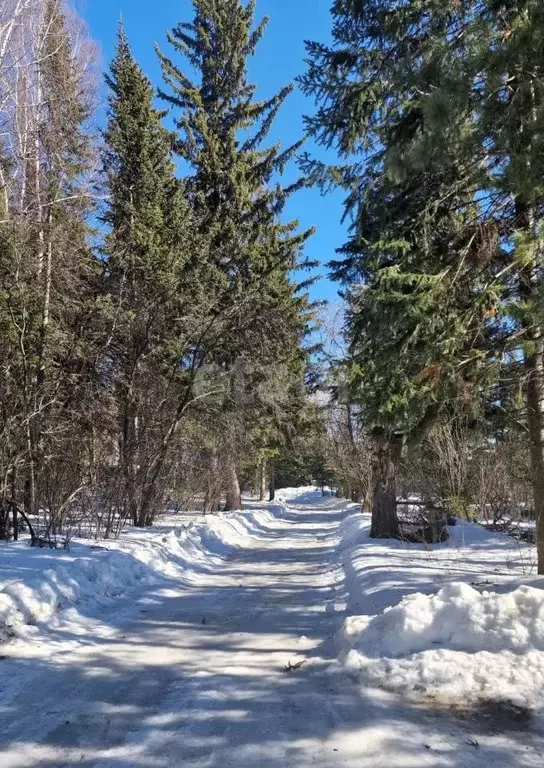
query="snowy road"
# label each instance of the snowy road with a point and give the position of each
(196, 674)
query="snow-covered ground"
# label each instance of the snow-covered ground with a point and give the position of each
(277, 637)
(42, 588)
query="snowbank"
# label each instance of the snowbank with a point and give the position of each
(459, 643)
(38, 585)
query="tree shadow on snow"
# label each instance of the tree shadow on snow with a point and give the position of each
(201, 678)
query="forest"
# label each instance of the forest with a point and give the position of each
(159, 343)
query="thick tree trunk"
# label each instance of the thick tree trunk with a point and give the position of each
(234, 496)
(385, 524)
(535, 419)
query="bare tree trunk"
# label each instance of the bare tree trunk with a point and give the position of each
(385, 524)
(14, 510)
(46, 311)
(534, 393)
(4, 524)
(234, 496)
(29, 500)
(530, 284)
(272, 485)
(262, 478)
(15, 520)
(349, 420)
(212, 497)
(128, 442)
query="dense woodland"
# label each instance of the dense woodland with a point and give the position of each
(158, 344)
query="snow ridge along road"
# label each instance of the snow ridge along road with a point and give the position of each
(228, 662)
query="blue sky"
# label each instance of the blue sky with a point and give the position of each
(278, 61)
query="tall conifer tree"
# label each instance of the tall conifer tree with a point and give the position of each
(395, 101)
(147, 251)
(510, 100)
(222, 128)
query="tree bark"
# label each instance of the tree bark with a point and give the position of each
(4, 523)
(535, 418)
(15, 521)
(534, 390)
(128, 446)
(212, 497)
(272, 485)
(29, 493)
(530, 284)
(385, 524)
(349, 420)
(262, 477)
(234, 496)
(46, 310)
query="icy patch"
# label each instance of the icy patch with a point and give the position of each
(458, 643)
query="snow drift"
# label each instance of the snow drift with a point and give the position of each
(37, 586)
(459, 643)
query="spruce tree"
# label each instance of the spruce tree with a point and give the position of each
(511, 117)
(237, 198)
(419, 264)
(147, 251)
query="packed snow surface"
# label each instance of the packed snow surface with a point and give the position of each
(39, 586)
(209, 642)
